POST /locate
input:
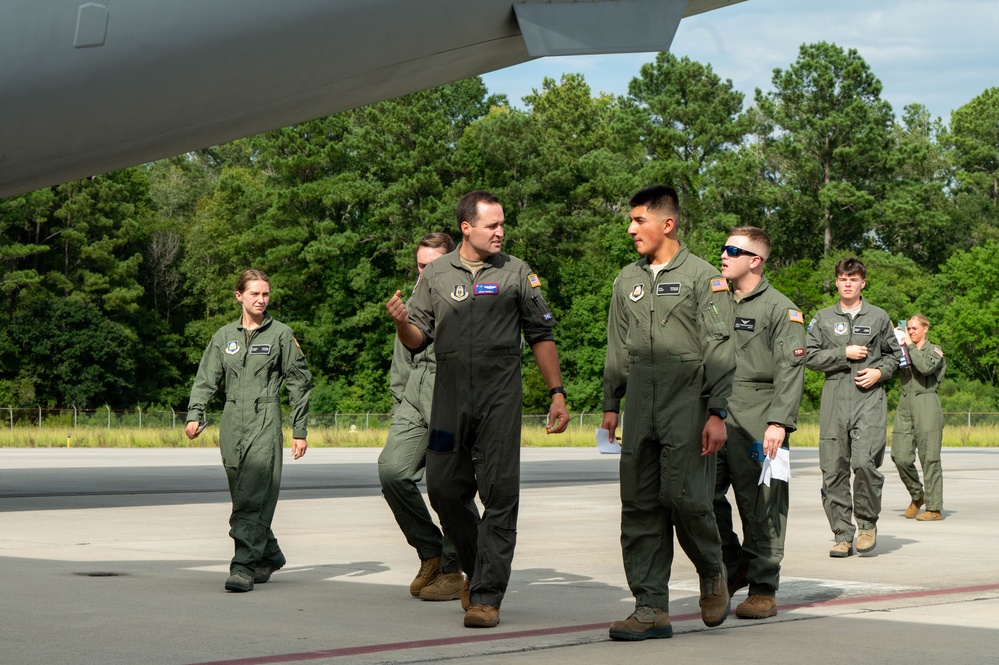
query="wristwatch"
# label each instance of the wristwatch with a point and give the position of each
(555, 390)
(721, 413)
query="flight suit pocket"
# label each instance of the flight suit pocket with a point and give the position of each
(440, 441)
(716, 327)
(792, 352)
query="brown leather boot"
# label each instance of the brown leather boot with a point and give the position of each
(913, 508)
(429, 569)
(867, 539)
(482, 616)
(446, 586)
(715, 601)
(644, 623)
(929, 516)
(757, 606)
(842, 549)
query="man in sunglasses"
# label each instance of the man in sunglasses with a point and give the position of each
(669, 350)
(853, 343)
(769, 335)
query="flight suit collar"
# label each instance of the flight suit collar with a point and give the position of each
(454, 258)
(865, 307)
(674, 263)
(760, 288)
(264, 324)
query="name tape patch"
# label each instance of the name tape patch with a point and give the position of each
(485, 288)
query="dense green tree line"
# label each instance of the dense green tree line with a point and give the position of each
(114, 284)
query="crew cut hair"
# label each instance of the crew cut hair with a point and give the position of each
(756, 235)
(658, 198)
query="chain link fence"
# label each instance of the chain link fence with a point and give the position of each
(108, 418)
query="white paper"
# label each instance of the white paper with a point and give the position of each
(605, 446)
(778, 468)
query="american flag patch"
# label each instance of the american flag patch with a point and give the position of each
(533, 280)
(795, 315)
(719, 284)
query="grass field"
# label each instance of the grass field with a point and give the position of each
(324, 437)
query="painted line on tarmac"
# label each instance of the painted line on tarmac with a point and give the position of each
(561, 630)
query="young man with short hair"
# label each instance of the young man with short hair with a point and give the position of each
(853, 343)
(769, 339)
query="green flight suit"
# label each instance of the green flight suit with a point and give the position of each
(669, 351)
(853, 422)
(919, 424)
(769, 337)
(475, 324)
(402, 460)
(253, 365)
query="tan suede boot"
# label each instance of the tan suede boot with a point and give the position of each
(429, 569)
(913, 508)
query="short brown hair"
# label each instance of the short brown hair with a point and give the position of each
(437, 240)
(468, 205)
(851, 266)
(250, 275)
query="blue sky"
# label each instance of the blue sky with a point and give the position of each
(939, 53)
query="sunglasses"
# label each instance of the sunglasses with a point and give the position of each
(734, 251)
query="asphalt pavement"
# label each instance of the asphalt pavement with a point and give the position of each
(119, 557)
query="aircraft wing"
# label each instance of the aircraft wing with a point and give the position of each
(90, 87)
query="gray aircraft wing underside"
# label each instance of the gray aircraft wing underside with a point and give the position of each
(90, 87)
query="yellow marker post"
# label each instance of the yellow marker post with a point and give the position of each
(68, 439)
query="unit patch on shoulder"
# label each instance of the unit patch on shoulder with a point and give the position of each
(810, 324)
(533, 280)
(295, 340)
(719, 284)
(798, 352)
(795, 315)
(232, 348)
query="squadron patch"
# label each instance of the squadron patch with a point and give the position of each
(232, 348)
(840, 328)
(795, 315)
(798, 352)
(459, 292)
(533, 280)
(295, 340)
(810, 324)
(637, 292)
(719, 284)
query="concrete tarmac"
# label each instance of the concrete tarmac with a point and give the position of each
(119, 557)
